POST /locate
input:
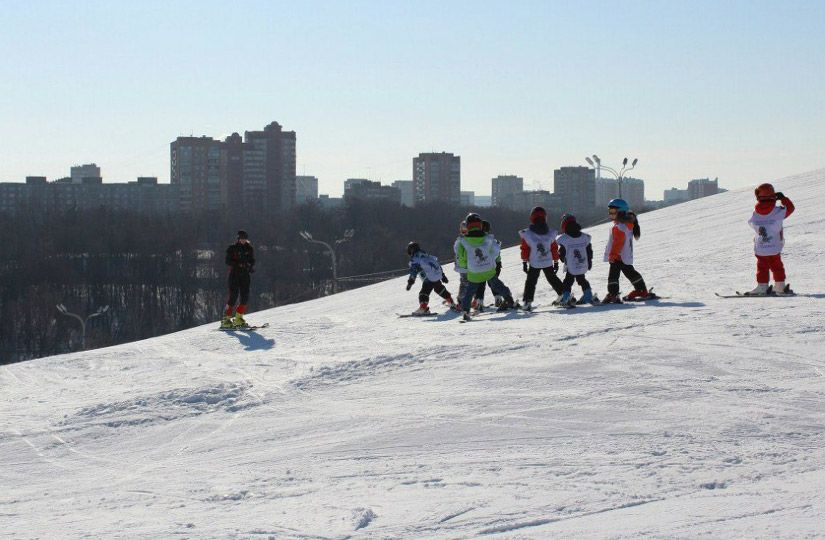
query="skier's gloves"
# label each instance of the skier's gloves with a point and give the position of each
(525, 267)
(555, 267)
(498, 268)
(779, 195)
(444, 279)
(410, 284)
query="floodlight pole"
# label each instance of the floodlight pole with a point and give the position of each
(63, 311)
(619, 175)
(348, 234)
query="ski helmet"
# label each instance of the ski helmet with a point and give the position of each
(566, 219)
(485, 226)
(765, 192)
(619, 204)
(473, 221)
(242, 235)
(412, 248)
(538, 214)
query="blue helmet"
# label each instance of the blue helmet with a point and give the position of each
(619, 204)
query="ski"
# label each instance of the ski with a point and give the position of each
(407, 315)
(743, 295)
(243, 328)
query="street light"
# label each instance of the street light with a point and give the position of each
(619, 175)
(348, 234)
(62, 309)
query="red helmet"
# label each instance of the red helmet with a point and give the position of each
(765, 192)
(538, 214)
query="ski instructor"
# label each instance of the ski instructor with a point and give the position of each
(240, 257)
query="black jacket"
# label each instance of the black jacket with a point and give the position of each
(241, 257)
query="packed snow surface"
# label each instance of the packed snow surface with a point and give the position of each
(691, 416)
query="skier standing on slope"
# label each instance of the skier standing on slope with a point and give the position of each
(539, 253)
(769, 240)
(619, 253)
(240, 257)
(478, 252)
(428, 267)
(576, 252)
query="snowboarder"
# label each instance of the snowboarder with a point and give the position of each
(619, 253)
(769, 239)
(576, 252)
(477, 253)
(428, 267)
(240, 257)
(539, 253)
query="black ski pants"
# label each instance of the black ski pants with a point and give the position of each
(617, 268)
(533, 279)
(567, 284)
(496, 285)
(429, 286)
(238, 287)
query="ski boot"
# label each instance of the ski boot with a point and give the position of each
(528, 306)
(423, 309)
(761, 289)
(637, 295)
(564, 299)
(238, 321)
(781, 288)
(587, 297)
(226, 322)
(611, 299)
(506, 303)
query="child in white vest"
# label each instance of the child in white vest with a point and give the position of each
(619, 253)
(539, 253)
(428, 267)
(576, 252)
(769, 240)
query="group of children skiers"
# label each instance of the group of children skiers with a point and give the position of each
(478, 260)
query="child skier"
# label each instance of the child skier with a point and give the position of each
(428, 267)
(619, 253)
(576, 252)
(477, 253)
(539, 253)
(769, 240)
(240, 257)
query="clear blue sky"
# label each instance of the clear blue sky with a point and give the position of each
(732, 89)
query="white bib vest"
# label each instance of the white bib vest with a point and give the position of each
(541, 255)
(627, 248)
(456, 267)
(769, 238)
(575, 253)
(428, 264)
(481, 258)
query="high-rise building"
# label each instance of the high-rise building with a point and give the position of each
(676, 196)
(306, 189)
(196, 171)
(407, 192)
(256, 173)
(633, 191)
(360, 188)
(505, 185)
(79, 172)
(606, 189)
(702, 187)
(468, 198)
(437, 177)
(577, 188)
(269, 168)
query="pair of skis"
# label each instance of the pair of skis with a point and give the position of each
(770, 293)
(244, 328)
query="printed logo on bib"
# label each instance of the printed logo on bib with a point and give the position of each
(578, 255)
(763, 235)
(481, 258)
(541, 249)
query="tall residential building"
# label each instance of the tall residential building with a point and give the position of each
(407, 192)
(505, 185)
(269, 168)
(254, 173)
(196, 171)
(606, 189)
(437, 177)
(702, 187)
(306, 189)
(577, 188)
(79, 172)
(358, 188)
(633, 191)
(468, 198)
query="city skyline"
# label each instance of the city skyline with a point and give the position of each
(693, 91)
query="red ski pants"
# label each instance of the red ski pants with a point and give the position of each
(765, 264)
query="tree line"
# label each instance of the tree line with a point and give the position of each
(162, 273)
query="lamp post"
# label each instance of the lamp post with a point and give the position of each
(619, 175)
(348, 234)
(62, 309)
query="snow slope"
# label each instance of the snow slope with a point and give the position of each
(692, 417)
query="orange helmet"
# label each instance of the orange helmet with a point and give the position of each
(765, 192)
